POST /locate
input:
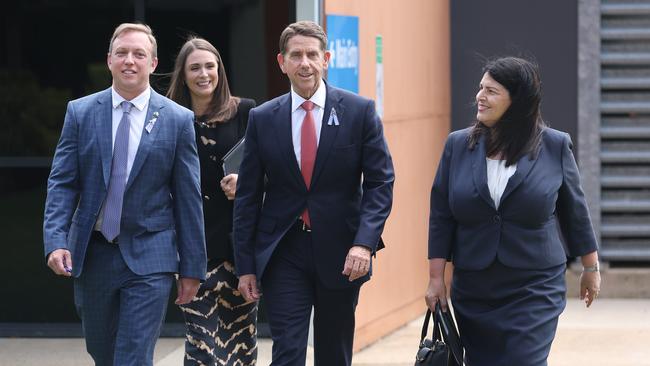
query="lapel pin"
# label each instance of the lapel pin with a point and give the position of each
(152, 121)
(333, 120)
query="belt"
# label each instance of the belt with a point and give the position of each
(301, 226)
(97, 236)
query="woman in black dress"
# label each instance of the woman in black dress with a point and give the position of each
(505, 189)
(221, 326)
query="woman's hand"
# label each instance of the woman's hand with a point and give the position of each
(229, 185)
(589, 286)
(436, 291)
(590, 278)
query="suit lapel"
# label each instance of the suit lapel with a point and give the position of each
(524, 165)
(282, 128)
(104, 131)
(148, 138)
(479, 170)
(328, 132)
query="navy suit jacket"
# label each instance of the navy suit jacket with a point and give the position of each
(466, 227)
(350, 195)
(162, 219)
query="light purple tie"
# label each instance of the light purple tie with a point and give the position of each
(113, 205)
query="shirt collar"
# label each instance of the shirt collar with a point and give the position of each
(318, 98)
(140, 102)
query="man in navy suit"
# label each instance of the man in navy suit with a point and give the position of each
(314, 191)
(123, 210)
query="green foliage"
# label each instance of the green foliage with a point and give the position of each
(99, 77)
(30, 116)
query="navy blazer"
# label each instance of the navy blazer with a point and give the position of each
(351, 190)
(466, 227)
(162, 217)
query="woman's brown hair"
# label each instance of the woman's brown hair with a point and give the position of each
(223, 105)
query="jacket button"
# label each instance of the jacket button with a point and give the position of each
(497, 219)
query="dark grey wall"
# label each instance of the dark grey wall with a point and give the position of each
(545, 30)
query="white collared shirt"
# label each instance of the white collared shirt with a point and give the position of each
(498, 175)
(298, 114)
(138, 114)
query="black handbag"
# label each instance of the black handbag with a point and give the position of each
(444, 348)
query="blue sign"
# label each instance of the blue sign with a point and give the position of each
(343, 38)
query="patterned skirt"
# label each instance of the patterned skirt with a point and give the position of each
(221, 327)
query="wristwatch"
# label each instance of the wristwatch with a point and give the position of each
(593, 268)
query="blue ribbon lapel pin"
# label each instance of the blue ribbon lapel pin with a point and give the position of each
(333, 120)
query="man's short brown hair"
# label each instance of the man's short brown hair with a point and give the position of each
(135, 27)
(305, 28)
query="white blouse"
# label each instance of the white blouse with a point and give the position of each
(497, 178)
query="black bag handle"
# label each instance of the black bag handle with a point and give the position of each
(449, 335)
(437, 335)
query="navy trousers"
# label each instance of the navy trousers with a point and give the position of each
(121, 312)
(291, 288)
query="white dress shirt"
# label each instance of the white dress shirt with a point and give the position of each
(138, 114)
(497, 178)
(298, 114)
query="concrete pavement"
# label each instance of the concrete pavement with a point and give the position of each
(613, 332)
(610, 333)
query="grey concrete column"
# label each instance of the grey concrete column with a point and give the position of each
(589, 105)
(309, 10)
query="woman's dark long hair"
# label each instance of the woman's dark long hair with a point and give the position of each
(223, 105)
(519, 130)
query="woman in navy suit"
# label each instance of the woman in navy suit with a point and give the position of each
(505, 189)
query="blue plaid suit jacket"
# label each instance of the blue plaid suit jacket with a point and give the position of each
(162, 219)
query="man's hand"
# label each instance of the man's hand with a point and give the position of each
(357, 262)
(248, 287)
(60, 261)
(229, 185)
(187, 289)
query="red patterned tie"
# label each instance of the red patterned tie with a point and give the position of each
(307, 150)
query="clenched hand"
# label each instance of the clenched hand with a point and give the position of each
(357, 262)
(187, 289)
(60, 261)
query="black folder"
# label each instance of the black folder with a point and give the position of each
(233, 158)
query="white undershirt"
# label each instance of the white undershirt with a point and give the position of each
(497, 178)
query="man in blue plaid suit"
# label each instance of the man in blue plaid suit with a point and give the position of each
(123, 210)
